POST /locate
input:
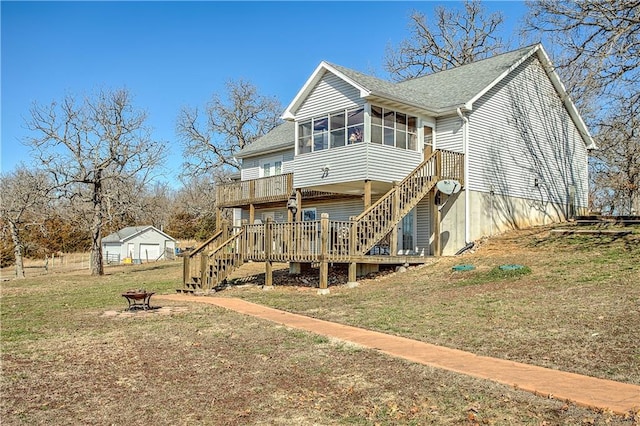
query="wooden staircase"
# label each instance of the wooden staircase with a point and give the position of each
(210, 264)
(372, 225)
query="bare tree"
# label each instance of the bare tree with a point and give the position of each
(600, 39)
(91, 146)
(599, 44)
(456, 37)
(617, 163)
(23, 196)
(212, 138)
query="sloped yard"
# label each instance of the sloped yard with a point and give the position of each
(71, 356)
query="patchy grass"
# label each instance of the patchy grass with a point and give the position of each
(575, 306)
(65, 362)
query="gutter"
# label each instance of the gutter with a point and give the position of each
(465, 150)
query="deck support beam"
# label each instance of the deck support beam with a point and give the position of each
(351, 280)
(324, 254)
(367, 194)
(268, 245)
(252, 214)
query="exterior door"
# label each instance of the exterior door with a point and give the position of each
(428, 142)
(407, 234)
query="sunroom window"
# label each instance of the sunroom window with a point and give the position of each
(393, 128)
(333, 130)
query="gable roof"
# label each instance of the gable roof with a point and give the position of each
(436, 94)
(130, 232)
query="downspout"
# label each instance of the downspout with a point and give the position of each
(465, 151)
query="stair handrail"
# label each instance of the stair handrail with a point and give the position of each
(224, 243)
(446, 167)
(206, 242)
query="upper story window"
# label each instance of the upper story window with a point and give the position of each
(331, 130)
(393, 128)
(271, 169)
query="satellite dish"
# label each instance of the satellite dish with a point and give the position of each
(448, 186)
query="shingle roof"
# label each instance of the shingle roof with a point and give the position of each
(456, 86)
(279, 138)
(128, 232)
(439, 93)
(444, 90)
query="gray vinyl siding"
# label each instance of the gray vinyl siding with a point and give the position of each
(354, 163)
(346, 163)
(251, 166)
(279, 214)
(339, 210)
(330, 94)
(520, 133)
(449, 133)
(423, 225)
(389, 164)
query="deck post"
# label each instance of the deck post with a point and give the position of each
(324, 253)
(252, 214)
(203, 271)
(185, 270)
(268, 246)
(299, 202)
(353, 244)
(393, 244)
(218, 217)
(224, 225)
(367, 194)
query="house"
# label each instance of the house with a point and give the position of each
(403, 171)
(138, 244)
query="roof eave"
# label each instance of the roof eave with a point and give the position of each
(373, 96)
(534, 49)
(266, 151)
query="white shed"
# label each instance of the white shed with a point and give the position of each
(138, 243)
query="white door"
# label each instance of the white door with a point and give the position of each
(149, 252)
(130, 250)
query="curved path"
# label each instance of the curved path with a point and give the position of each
(621, 398)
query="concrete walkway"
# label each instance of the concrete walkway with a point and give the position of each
(620, 398)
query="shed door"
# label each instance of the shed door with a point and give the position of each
(149, 252)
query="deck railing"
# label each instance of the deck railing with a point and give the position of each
(263, 190)
(254, 191)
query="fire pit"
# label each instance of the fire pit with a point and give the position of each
(138, 299)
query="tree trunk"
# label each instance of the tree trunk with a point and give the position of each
(17, 251)
(97, 266)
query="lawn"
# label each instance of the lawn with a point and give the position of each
(70, 355)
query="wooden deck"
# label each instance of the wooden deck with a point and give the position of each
(266, 190)
(321, 241)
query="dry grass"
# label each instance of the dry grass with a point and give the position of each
(578, 310)
(65, 362)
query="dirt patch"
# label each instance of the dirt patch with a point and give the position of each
(142, 313)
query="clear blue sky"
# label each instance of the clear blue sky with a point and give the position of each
(175, 54)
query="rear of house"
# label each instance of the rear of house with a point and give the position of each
(418, 168)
